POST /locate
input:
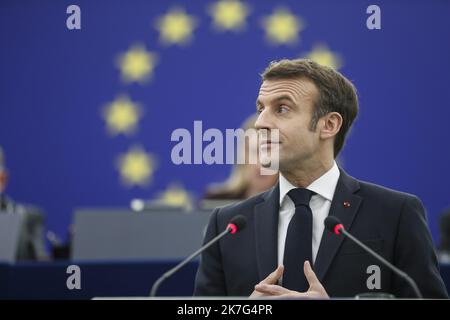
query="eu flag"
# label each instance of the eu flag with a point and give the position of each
(91, 91)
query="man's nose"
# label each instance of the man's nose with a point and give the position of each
(264, 121)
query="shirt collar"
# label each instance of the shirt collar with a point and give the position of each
(324, 186)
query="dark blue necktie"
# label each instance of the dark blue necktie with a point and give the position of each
(298, 246)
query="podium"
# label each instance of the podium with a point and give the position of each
(122, 234)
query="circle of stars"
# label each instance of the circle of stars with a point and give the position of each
(176, 27)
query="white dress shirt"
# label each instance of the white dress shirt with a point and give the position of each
(320, 203)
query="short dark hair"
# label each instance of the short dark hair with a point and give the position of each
(336, 92)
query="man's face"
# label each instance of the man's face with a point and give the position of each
(287, 105)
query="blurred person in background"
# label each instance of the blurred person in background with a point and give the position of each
(31, 244)
(245, 179)
(5, 203)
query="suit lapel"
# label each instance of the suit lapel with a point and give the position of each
(266, 232)
(330, 243)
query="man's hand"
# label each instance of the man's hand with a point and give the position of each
(270, 280)
(265, 288)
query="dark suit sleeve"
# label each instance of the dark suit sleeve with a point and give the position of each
(415, 255)
(210, 279)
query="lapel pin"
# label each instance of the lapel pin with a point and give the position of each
(346, 204)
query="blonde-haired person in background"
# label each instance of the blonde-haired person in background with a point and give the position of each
(245, 179)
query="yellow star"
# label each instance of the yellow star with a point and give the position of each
(229, 14)
(176, 27)
(322, 55)
(122, 116)
(282, 27)
(137, 64)
(176, 196)
(136, 167)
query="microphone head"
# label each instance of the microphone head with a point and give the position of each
(237, 223)
(333, 224)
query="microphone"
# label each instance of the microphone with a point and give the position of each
(236, 224)
(334, 225)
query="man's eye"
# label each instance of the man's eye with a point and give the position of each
(283, 109)
(259, 110)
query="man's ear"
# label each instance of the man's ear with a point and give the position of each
(332, 123)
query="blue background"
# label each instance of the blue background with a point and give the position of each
(54, 83)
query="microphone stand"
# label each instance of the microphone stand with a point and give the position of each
(185, 261)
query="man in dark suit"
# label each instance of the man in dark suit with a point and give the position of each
(284, 250)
